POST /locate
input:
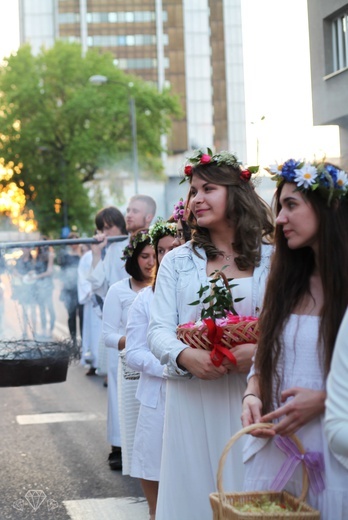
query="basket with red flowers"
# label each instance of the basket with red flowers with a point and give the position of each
(220, 327)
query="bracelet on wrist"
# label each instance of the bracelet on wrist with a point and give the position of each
(247, 395)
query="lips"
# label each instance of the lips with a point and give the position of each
(286, 232)
(200, 212)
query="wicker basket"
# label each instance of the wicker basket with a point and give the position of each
(127, 372)
(242, 330)
(223, 504)
(245, 331)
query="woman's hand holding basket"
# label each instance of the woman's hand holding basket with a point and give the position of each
(198, 362)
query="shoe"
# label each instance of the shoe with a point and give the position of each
(91, 372)
(115, 459)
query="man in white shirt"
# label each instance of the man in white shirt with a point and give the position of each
(106, 271)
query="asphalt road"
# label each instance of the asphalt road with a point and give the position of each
(53, 447)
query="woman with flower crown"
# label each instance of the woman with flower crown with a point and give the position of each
(147, 447)
(305, 301)
(139, 257)
(231, 226)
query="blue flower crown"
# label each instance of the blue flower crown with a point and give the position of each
(330, 181)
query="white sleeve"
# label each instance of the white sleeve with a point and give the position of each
(138, 354)
(164, 319)
(336, 415)
(84, 289)
(112, 312)
(97, 279)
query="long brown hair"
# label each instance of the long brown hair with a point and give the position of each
(246, 211)
(289, 281)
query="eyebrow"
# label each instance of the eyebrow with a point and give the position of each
(287, 199)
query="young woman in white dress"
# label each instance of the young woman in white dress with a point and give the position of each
(203, 402)
(305, 301)
(140, 261)
(336, 413)
(147, 448)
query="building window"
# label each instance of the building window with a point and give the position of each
(124, 17)
(140, 63)
(340, 42)
(68, 18)
(127, 40)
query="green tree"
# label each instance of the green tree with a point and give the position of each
(61, 129)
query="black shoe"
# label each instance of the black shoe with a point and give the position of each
(91, 372)
(115, 459)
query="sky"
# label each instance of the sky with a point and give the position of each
(277, 80)
(9, 32)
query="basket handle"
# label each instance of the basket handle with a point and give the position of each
(221, 274)
(240, 433)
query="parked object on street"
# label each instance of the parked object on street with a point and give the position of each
(27, 362)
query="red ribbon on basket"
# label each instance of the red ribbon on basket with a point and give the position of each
(215, 333)
(313, 460)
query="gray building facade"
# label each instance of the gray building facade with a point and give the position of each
(328, 34)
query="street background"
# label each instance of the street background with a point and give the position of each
(53, 441)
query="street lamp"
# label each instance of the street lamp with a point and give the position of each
(101, 80)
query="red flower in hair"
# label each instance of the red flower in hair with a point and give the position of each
(188, 170)
(205, 159)
(245, 175)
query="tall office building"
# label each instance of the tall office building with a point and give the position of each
(195, 46)
(328, 35)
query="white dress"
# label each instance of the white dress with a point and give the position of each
(200, 415)
(301, 368)
(108, 271)
(336, 414)
(92, 324)
(151, 391)
(118, 300)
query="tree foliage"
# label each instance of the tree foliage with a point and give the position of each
(63, 129)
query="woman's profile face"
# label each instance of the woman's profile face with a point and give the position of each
(298, 219)
(147, 262)
(208, 203)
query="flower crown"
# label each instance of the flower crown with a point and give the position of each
(330, 181)
(221, 158)
(179, 210)
(137, 238)
(160, 229)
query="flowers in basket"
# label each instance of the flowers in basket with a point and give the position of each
(220, 328)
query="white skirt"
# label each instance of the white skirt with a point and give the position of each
(128, 409)
(147, 449)
(200, 418)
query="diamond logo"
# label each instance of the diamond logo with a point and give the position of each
(51, 504)
(19, 505)
(35, 497)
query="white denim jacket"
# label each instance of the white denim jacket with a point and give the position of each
(179, 278)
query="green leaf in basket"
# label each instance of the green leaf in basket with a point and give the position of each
(219, 301)
(202, 290)
(208, 299)
(197, 302)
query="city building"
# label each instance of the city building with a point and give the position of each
(328, 33)
(195, 46)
